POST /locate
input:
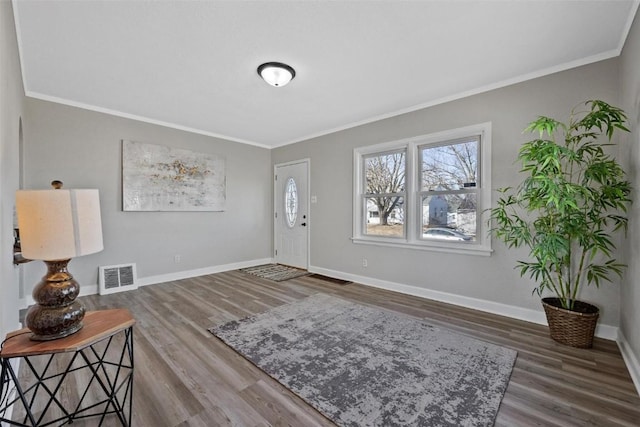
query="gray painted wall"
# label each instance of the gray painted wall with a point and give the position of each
(630, 151)
(11, 110)
(83, 149)
(492, 278)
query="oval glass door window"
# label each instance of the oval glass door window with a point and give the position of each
(291, 202)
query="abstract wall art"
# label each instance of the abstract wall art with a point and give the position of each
(159, 178)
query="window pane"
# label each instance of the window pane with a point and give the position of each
(450, 167)
(449, 217)
(291, 202)
(385, 216)
(384, 173)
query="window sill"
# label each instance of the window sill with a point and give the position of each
(464, 249)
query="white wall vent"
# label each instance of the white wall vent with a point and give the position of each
(117, 278)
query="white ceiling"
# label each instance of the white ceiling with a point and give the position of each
(192, 64)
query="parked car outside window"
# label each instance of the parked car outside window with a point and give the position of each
(445, 234)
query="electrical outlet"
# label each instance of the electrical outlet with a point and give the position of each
(176, 259)
(364, 262)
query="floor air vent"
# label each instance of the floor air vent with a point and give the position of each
(117, 278)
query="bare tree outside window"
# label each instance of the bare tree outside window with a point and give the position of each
(450, 167)
(385, 193)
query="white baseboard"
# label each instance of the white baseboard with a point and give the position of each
(630, 359)
(534, 316)
(162, 278)
(179, 275)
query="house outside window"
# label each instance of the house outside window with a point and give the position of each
(449, 185)
(429, 192)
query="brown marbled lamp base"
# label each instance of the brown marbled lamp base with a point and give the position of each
(56, 313)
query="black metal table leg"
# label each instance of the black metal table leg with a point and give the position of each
(110, 374)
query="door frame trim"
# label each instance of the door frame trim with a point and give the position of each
(307, 161)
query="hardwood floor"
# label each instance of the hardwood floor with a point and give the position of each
(186, 377)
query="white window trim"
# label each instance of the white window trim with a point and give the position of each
(482, 245)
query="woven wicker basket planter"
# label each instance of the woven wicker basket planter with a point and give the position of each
(573, 328)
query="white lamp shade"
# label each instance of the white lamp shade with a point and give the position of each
(59, 224)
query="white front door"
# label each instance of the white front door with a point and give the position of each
(292, 214)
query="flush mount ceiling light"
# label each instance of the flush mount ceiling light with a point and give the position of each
(276, 73)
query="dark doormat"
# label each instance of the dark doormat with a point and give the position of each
(330, 279)
(275, 272)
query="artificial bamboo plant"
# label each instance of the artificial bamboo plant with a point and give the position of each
(573, 199)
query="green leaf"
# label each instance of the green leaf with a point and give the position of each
(573, 197)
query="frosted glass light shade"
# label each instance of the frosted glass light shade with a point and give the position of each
(276, 74)
(59, 224)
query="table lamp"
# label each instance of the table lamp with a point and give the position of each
(55, 226)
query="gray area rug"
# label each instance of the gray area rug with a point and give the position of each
(275, 272)
(364, 366)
